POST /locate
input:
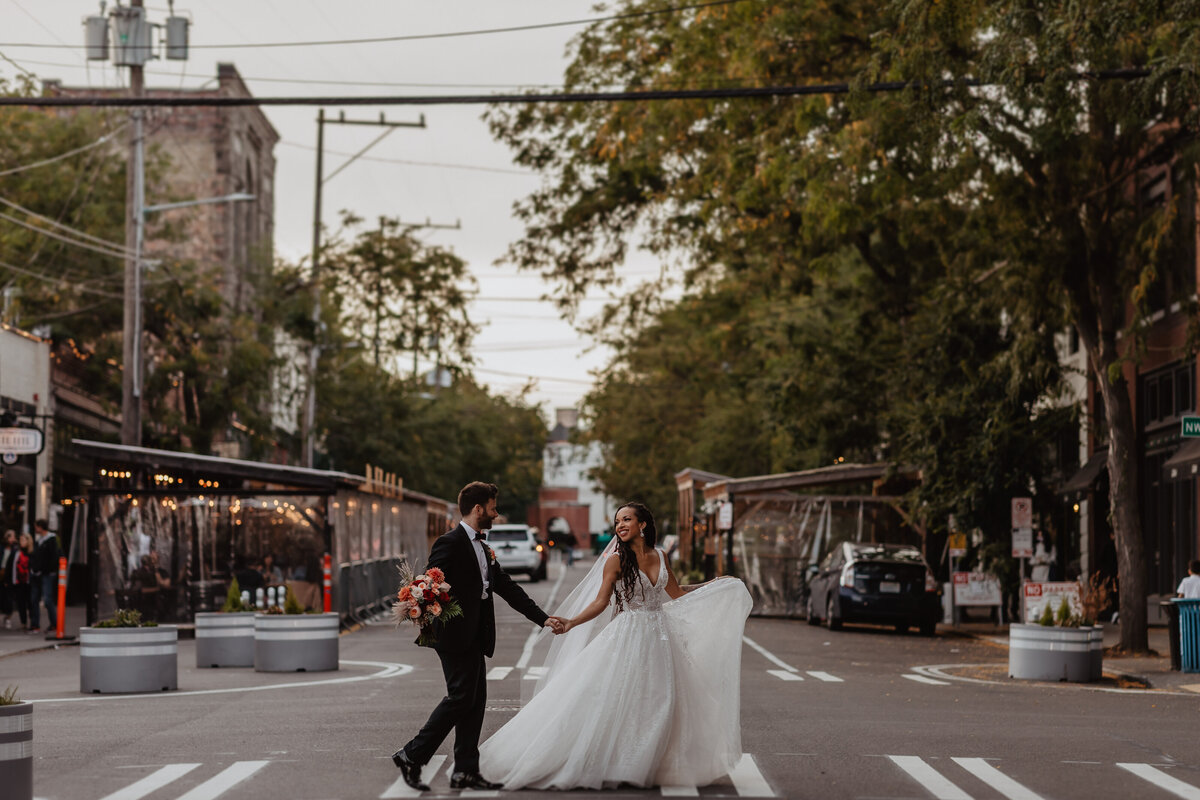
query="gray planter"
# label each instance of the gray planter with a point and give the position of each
(1096, 651)
(129, 659)
(16, 751)
(296, 642)
(225, 640)
(1049, 653)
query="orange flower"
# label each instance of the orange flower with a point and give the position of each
(435, 575)
(414, 611)
(436, 609)
(405, 593)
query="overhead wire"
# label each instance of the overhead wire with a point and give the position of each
(102, 140)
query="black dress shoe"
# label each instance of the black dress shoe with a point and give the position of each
(472, 780)
(409, 770)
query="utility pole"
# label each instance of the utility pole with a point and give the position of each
(308, 431)
(131, 389)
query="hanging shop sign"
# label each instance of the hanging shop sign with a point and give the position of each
(21, 441)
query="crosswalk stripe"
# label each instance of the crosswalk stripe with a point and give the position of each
(923, 679)
(498, 673)
(152, 782)
(993, 777)
(1162, 780)
(938, 785)
(825, 676)
(784, 675)
(533, 673)
(748, 780)
(767, 654)
(224, 780)
(679, 791)
(402, 789)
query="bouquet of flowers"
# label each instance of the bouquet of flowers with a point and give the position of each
(424, 599)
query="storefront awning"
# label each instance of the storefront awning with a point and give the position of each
(1186, 460)
(1088, 474)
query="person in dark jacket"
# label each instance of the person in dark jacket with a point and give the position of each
(43, 577)
(8, 563)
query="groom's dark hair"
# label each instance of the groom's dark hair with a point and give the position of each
(476, 493)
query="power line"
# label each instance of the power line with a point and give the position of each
(102, 140)
(425, 36)
(85, 245)
(742, 92)
(403, 162)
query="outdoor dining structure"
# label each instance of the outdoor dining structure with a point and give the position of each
(167, 533)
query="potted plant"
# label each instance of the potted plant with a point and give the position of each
(290, 639)
(16, 754)
(1058, 647)
(125, 654)
(225, 638)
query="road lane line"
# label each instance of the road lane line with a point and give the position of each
(938, 785)
(923, 679)
(152, 782)
(533, 673)
(224, 780)
(825, 676)
(531, 640)
(993, 777)
(1162, 780)
(767, 654)
(748, 780)
(401, 789)
(679, 791)
(498, 673)
(784, 675)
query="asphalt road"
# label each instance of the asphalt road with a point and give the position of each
(862, 713)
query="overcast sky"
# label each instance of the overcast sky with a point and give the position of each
(462, 174)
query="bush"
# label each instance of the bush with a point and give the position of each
(233, 600)
(126, 618)
(9, 697)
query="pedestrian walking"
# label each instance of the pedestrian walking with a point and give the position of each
(43, 577)
(1189, 587)
(18, 570)
(8, 559)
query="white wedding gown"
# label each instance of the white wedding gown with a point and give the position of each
(652, 700)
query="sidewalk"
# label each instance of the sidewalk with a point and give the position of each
(15, 640)
(1154, 670)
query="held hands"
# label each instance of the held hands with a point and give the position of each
(558, 625)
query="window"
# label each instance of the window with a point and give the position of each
(1168, 394)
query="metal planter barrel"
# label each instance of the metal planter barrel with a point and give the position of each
(129, 659)
(296, 642)
(224, 640)
(16, 750)
(1050, 653)
(1096, 651)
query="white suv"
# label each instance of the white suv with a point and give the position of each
(518, 551)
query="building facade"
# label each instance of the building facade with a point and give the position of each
(26, 402)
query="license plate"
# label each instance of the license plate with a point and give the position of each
(889, 587)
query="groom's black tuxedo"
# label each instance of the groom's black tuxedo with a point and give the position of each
(462, 644)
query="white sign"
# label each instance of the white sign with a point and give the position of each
(725, 517)
(976, 589)
(20, 440)
(1022, 512)
(1039, 595)
(1022, 543)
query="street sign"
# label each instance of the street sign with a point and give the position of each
(1022, 512)
(20, 440)
(1039, 595)
(976, 589)
(958, 545)
(1022, 543)
(725, 516)
(9, 458)
(1191, 426)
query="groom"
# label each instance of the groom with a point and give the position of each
(462, 643)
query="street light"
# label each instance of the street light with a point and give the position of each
(133, 376)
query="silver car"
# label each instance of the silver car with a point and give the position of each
(518, 551)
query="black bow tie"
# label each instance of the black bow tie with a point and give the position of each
(481, 536)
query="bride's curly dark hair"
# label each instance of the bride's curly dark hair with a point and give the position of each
(623, 592)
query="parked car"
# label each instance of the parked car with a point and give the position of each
(885, 584)
(518, 551)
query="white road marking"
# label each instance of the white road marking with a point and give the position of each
(937, 785)
(767, 654)
(923, 679)
(387, 670)
(748, 780)
(993, 777)
(498, 673)
(533, 673)
(825, 676)
(784, 675)
(1162, 780)
(402, 789)
(152, 782)
(224, 780)
(531, 640)
(679, 791)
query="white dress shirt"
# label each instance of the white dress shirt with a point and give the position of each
(1189, 587)
(481, 556)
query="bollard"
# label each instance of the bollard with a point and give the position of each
(328, 582)
(60, 622)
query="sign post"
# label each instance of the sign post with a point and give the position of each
(1022, 532)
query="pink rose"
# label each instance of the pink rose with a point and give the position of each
(414, 611)
(436, 609)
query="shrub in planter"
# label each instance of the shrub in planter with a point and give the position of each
(226, 638)
(1059, 647)
(289, 640)
(125, 654)
(16, 745)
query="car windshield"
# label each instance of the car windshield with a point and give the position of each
(507, 536)
(909, 555)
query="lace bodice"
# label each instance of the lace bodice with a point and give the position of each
(648, 596)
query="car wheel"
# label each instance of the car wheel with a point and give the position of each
(541, 572)
(929, 628)
(834, 623)
(812, 615)
(901, 627)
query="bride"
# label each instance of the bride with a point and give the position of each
(647, 695)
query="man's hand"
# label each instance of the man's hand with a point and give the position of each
(556, 624)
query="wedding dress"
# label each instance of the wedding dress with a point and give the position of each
(648, 697)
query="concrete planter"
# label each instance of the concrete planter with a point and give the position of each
(225, 640)
(1096, 651)
(296, 642)
(1048, 653)
(16, 751)
(129, 659)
